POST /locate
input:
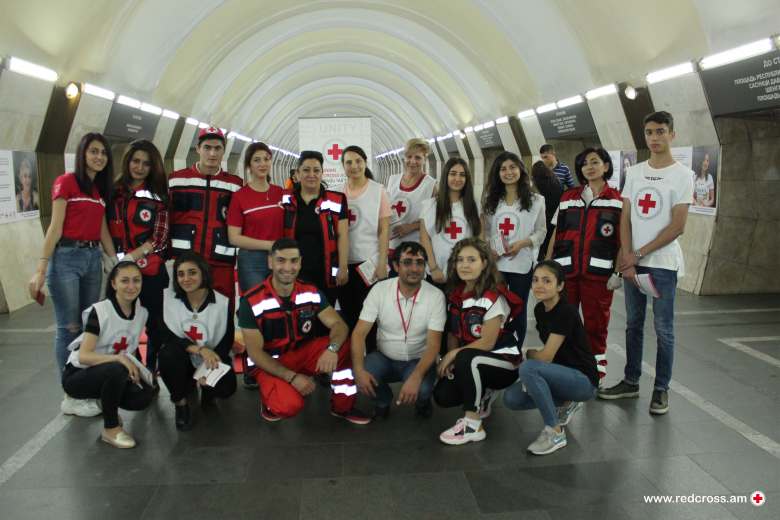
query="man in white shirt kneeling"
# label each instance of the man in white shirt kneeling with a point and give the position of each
(410, 314)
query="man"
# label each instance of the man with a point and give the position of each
(410, 314)
(655, 207)
(277, 322)
(407, 192)
(561, 171)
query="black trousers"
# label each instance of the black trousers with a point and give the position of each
(110, 383)
(474, 372)
(152, 299)
(176, 371)
(351, 298)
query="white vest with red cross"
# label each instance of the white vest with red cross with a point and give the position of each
(455, 229)
(117, 334)
(363, 214)
(516, 225)
(406, 204)
(204, 328)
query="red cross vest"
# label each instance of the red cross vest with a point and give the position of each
(285, 327)
(131, 217)
(199, 205)
(587, 238)
(328, 207)
(204, 328)
(466, 313)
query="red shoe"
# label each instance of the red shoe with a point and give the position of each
(354, 416)
(268, 415)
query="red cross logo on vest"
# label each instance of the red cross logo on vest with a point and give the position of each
(193, 334)
(606, 229)
(476, 330)
(453, 230)
(335, 152)
(120, 345)
(757, 498)
(145, 215)
(399, 208)
(506, 226)
(647, 203)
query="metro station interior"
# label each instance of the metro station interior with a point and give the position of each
(474, 78)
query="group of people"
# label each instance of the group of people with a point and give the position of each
(431, 287)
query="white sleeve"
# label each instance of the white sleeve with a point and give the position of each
(427, 216)
(540, 227)
(500, 308)
(370, 310)
(438, 311)
(683, 194)
(554, 219)
(710, 182)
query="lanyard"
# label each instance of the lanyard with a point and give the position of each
(404, 323)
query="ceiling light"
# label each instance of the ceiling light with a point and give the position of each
(100, 92)
(546, 108)
(469, 129)
(146, 107)
(170, 114)
(601, 91)
(669, 73)
(488, 124)
(501, 120)
(630, 92)
(569, 101)
(479, 128)
(737, 53)
(192, 121)
(124, 100)
(526, 113)
(72, 90)
(203, 125)
(21, 66)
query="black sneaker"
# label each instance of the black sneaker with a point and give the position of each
(249, 381)
(381, 412)
(183, 417)
(622, 390)
(659, 404)
(423, 409)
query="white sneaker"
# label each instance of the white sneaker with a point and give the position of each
(80, 407)
(486, 406)
(548, 441)
(462, 433)
(565, 413)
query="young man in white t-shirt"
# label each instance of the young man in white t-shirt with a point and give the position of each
(656, 197)
(410, 314)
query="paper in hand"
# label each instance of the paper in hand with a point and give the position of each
(212, 376)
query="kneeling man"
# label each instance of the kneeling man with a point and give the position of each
(277, 321)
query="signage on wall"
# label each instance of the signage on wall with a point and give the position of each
(18, 186)
(131, 123)
(489, 138)
(703, 160)
(744, 86)
(330, 136)
(572, 121)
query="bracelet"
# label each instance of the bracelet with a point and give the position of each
(293, 378)
(47, 258)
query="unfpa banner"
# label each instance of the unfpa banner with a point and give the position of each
(330, 136)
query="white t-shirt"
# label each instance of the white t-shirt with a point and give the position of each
(702, 187)
(518, 225)
(427, 312)
(454, 231)
(652, 194)
(499, 308)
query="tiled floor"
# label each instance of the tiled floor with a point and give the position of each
(234, 465)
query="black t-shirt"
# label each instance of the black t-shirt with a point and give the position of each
(575, 352)
(308, 233)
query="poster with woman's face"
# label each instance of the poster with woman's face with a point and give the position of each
(26, 183)
(704, 164)
(627, 160)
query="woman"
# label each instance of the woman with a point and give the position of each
(482, 352)
(562, 373)
(586, 244)
(101, 364)
(547, 183)
(71, 259)
(196, 333)
(255, 217)
(369, 232)
(704, 185)
(514, 225)
(317, 219)
(450, 217)
(27, 198)
(138, 223)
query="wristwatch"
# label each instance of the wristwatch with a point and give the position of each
(638, 254)
(334, 348)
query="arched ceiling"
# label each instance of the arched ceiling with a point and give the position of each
(417, 68)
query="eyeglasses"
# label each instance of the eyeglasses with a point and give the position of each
(408, 262)
(658, 131)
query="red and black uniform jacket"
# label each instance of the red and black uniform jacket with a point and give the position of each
(328, 207)
(285, 325)
(587, 238)
(131, 217)
(199, 205)
(466, 313)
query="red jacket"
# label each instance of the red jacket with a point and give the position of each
(131, 218)
(199, 205)
(587, 238)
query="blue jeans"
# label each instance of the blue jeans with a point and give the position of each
(73, 277)
(547, 385)
(386, 370)
(520, 284)
(252, 268)
(665, 282)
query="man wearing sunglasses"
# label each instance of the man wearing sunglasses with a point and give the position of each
(410, 314)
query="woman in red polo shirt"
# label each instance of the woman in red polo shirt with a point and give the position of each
(70, 249)
(255, 217)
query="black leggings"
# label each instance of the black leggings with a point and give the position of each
(351, 298)
(176, 371)
(110, 383)
(152, 299)
(474, 371)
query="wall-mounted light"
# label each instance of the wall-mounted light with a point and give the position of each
(737, 53)
(630, 92)
(526, 114)
(170, 114)
(94, 90)
(569, 101)
(72, 90)
(469, 129)
(669, 73)
(192, 121)
(502, 120)
(203, 125)
(146, 107)
(128, 101)
(27, 68)
(488, 124)
(549, 107)
(431, 140)
(601, 91)
(479, 128)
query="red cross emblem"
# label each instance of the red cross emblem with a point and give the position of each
(757, 498)
(399, 208)
(335, 152)
(120, 345)
(352, 217)
(145, 215)
(476, 330)
(193, 333)
(506, 227)
(142, 262)
(607, 229)
(453, 230)
(647, 203)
